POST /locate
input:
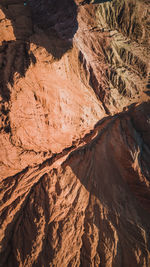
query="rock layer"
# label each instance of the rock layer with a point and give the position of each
(74, 133)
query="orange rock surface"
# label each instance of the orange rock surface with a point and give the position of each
(74, 133)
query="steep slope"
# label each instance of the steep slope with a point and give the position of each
(117, 50)
(89, 210)
(74, 133)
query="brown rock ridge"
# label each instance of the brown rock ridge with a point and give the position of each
(74, 133)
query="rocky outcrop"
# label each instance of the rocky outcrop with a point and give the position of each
(74, 133)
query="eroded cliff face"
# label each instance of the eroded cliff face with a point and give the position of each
(74, 133)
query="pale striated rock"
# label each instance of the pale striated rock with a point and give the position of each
(74, 133)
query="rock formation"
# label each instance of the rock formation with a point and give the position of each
(75, 133)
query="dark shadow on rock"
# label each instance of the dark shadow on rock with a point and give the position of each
(57, 20)
(104, 168)
(59, 15)
(147, 92)
(14, 59)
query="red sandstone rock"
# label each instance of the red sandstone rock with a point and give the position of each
(74, 133)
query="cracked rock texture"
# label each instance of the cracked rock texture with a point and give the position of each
(75, 133)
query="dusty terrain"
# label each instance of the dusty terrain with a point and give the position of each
(75, 133)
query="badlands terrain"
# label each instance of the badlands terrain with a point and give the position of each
(75, 133)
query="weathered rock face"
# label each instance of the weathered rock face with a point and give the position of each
(74, 133)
